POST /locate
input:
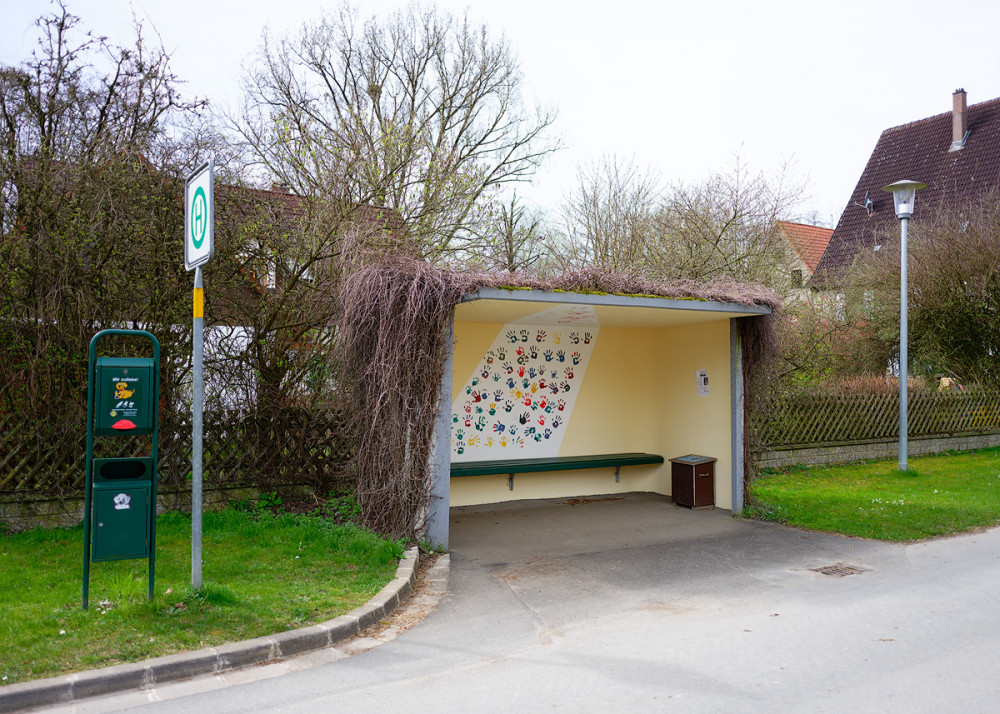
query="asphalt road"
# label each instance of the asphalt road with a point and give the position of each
(633, 604)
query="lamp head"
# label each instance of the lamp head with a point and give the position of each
(904, 193)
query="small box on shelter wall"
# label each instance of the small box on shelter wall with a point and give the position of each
(693, 481)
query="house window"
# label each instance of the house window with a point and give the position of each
(796, 278)
(293, 268)
(259, 264)
(869, 300)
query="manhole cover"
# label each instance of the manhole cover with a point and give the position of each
(839, 570)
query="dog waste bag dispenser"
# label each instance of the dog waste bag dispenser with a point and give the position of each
(120, 496)
(124, 388)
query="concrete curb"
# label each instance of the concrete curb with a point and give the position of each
(143, 675)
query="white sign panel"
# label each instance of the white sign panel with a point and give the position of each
(703, 383)
(199, 216)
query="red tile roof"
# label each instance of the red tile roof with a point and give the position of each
(918, 151)
(809, 242)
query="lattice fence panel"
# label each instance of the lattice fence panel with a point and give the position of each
(279, 448)
(829, 418)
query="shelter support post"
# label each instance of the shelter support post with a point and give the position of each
(440, 466)
(736, 402)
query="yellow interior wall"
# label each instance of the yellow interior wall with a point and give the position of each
(616, 407)
(472, 490)
(472, 341)
(639, 393)
(690, 424)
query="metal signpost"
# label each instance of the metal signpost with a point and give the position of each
(199, 246)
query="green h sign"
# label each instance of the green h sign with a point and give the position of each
(199, 216)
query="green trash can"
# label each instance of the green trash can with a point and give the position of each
(122, 510)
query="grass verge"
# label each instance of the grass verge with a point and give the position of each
(939, 495)
(262, 573)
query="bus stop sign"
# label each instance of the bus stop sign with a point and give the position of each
(199, 216)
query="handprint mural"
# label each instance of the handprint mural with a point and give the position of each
(524, 389)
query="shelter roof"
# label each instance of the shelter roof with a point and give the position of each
(498, 305)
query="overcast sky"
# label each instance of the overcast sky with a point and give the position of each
(681, 87)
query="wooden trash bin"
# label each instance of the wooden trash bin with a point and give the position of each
(693, 481)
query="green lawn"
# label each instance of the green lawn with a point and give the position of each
(261, 574)
(938, 495)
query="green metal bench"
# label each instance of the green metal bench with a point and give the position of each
(554, 463)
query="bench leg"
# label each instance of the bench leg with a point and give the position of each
(510, 482)
(618, 471)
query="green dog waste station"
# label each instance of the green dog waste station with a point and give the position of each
(120, 493)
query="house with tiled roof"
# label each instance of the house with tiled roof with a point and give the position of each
(290, 209)
(807, 244)
(957, 154)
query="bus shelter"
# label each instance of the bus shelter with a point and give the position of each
(565, 394)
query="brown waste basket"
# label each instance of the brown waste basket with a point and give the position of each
(693, 481)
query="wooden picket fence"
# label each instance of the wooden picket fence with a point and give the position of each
(812, 419)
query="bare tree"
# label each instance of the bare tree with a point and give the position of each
(510, 238)
(619, 217)
(59, 106)
(726, 225)
(421, 113)
(609, 218)
(78, 121)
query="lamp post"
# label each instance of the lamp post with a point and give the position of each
(904, 193)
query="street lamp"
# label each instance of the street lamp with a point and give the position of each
(904, 193)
